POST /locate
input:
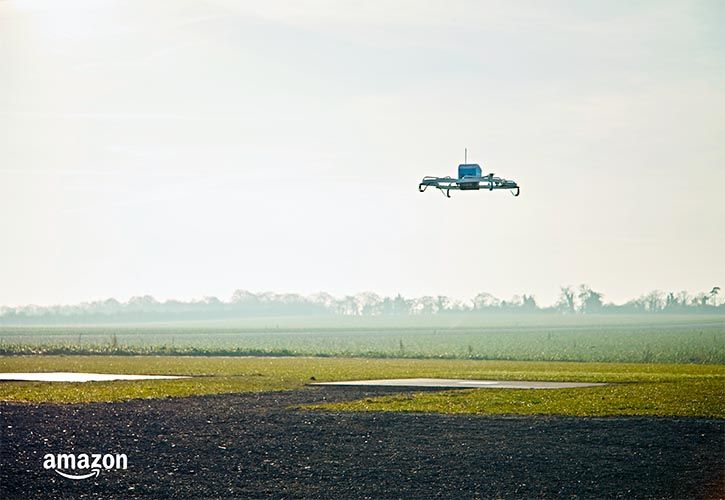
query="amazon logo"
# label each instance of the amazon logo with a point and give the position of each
(83, 466)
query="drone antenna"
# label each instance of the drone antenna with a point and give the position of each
(465, 155)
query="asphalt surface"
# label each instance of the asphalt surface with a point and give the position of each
(256, 446)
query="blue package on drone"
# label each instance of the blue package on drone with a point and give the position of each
(469, 170)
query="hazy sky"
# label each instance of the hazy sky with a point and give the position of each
(189, 148)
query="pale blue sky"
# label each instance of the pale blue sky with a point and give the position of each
(188, 148)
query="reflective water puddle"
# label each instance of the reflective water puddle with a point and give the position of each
(461, 383)
(79, 377)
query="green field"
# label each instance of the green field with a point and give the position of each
(638, 389)
(540, 337)
(658, 365)
(684, 397)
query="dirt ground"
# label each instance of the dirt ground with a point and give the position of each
(255, 445)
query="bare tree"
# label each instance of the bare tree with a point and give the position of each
(713, 295)
(484, 301)
(566, 302)
(589, 300)
(653, 301)
(443, 303)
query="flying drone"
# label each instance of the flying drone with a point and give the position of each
(469, 178)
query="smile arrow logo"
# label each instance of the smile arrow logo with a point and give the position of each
(94, 472)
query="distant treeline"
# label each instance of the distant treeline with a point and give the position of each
(581, 300)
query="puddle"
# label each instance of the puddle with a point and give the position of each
(452, 383)
(79, 377)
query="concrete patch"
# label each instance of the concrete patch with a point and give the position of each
(463, 384)
(78, 377)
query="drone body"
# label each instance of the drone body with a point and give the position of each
(469, 178)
